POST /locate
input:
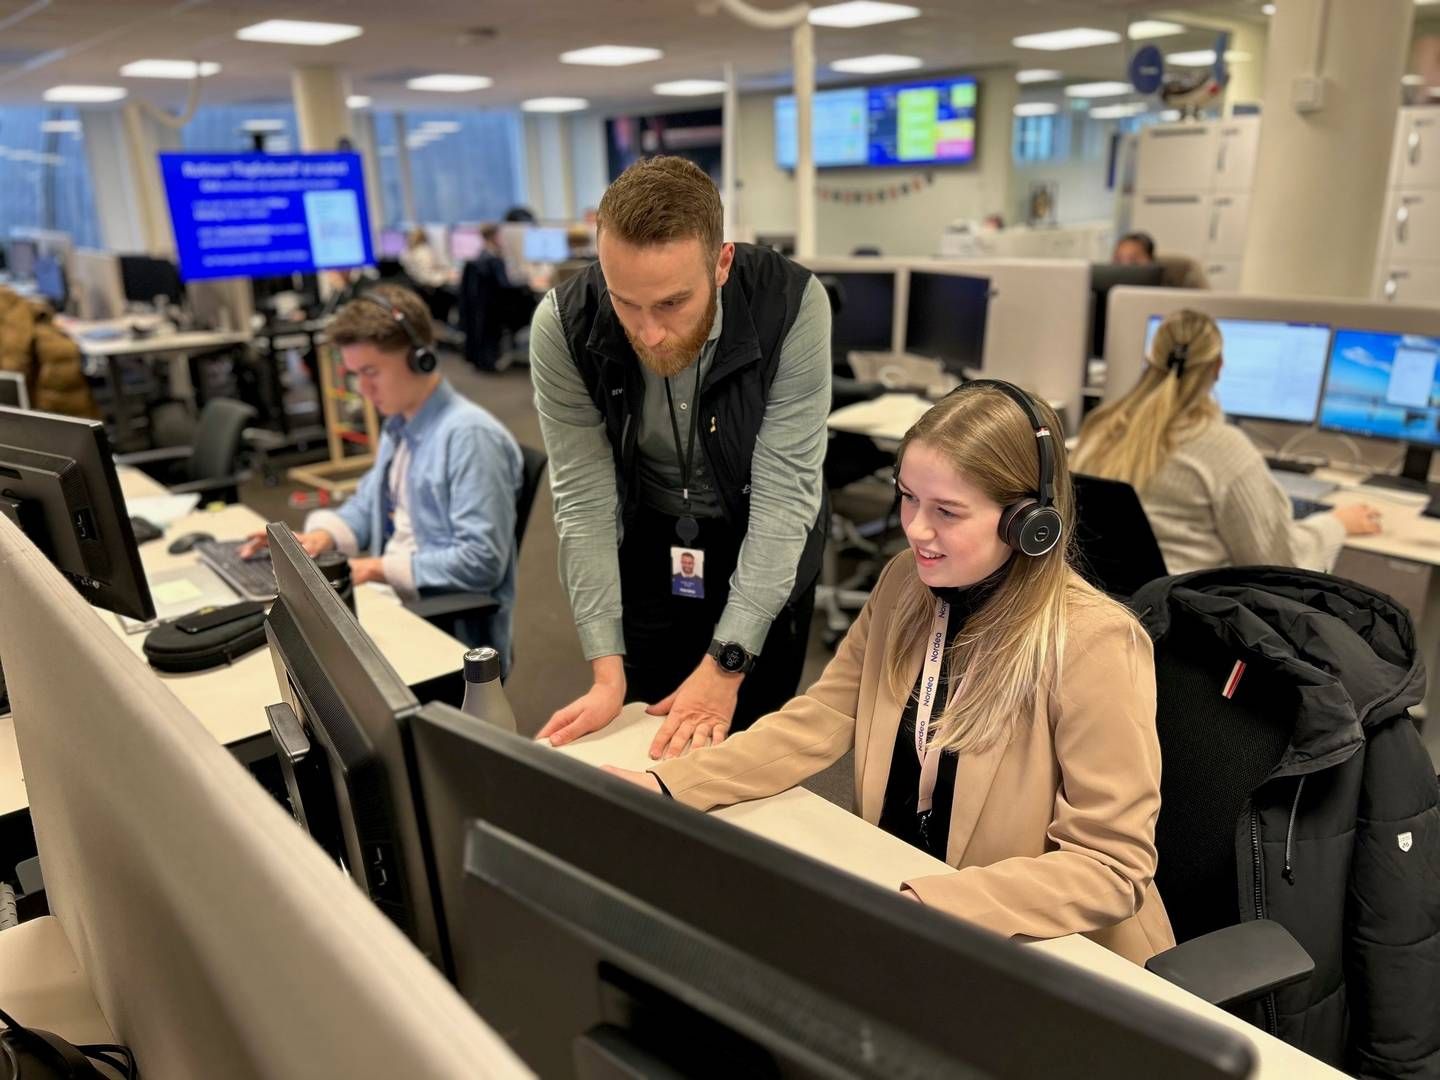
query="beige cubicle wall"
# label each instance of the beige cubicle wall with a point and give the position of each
(1131, 308)
(1038, 324)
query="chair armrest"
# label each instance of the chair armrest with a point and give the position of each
(1236, 964)
(160, 455)
(452, 603)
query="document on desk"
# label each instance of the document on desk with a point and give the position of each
(179, 592)
(162, 510)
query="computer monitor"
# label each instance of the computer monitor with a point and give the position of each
(945, 319)
(13, 392)
(22, 256)
(1272, 370)
(50, 281)
(1386, 386)
(58, 484)
(466, 243)
(351, 790)
(144, 278)
(546, 245)
(1103, 278)
(865, 319)
(573, 900)
(392, 243)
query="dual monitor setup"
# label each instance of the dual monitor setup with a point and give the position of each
(1345, 380)
(945, 315)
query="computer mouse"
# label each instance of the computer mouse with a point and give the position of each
(181, 544)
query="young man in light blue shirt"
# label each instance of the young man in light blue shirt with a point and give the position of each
(436, 512)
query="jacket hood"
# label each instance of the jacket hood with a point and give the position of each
(1349, 650)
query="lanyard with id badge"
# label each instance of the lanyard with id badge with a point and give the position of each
(687, 562)
(924, 708)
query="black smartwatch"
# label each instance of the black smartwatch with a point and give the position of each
(731, 657)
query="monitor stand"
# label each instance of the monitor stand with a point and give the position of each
(1414, 474)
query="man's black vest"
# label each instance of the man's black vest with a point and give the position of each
(760, 301)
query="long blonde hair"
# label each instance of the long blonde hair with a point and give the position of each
(1131, 439)
(1012, 645)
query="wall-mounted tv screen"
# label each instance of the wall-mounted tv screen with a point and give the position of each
(913, 123)
(266, 215)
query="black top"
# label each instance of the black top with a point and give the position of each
(930, 831)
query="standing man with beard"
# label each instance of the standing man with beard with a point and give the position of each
(683, 386)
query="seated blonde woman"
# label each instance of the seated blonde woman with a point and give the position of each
(1205, 487)
(1001, 711)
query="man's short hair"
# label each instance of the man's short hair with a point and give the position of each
(364, 322)
(662, 199)
(489, 232)
(1144, 239)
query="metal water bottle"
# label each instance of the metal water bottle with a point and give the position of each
(484, 697)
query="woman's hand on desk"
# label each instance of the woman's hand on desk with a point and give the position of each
(1359, 519)
(640, 779)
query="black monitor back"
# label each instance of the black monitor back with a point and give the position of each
(22, 255)
(945, 319)
(864, 318)
(51, 282)
(1103, 278)
(58, 483)
(144, 278)
(573, 899)
(352, 791)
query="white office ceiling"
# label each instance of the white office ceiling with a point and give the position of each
(517, 44)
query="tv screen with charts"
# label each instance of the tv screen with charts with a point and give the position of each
(932, 122)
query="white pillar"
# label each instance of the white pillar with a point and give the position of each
(1320, 176)
(407, 180)
(804, 62)
(729, 135)
(320, 109)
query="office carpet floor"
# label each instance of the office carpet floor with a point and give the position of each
(549, 668)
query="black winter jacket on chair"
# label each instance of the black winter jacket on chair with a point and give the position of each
(1283, 698)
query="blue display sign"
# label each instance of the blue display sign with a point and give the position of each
(266, 215)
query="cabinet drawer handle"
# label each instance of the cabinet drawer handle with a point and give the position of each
(1402, 224)
(1391, 287)
(1413, 142)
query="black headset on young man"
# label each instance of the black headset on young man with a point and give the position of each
(1031, 525)
(421, 357)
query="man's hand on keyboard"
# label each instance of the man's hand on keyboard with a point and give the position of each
(314, 543)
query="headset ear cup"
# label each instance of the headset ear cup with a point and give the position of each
(1039, 531)
(423, 360)
(1012, 520)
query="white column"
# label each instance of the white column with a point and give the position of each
(1320, 176)
(407, 180)
(320, 108)
(363, 124)
(729, 140)
(804, 62)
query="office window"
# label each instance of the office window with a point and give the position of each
(44, 176)
(232, 128)
(1041, 138)
(462, 164)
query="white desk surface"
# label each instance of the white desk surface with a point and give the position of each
(807, 823)
(159, 344)
(1406, 533)
(43, 986)
(230, 701)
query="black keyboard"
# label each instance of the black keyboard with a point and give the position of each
(253, 579)
(1303, 508)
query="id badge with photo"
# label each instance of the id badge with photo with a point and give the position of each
(687, 572)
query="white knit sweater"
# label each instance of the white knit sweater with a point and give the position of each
(1214, 503)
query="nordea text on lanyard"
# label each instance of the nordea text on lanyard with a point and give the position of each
(929, 684)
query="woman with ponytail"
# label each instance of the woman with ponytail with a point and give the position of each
(1207, 491)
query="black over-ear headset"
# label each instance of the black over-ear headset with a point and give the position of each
(1032, 525)
(421, 358)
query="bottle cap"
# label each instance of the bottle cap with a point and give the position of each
(482, 664)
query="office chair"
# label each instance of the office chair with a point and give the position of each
(1116, 550)
(210, 463)
(1181, 272)
(451, 610)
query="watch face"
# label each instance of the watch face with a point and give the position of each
(732, 658)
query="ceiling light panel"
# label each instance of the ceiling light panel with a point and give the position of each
(451, 84)
(860, 13)
(877, 64)
(296, 32)
(1078, 37)
(610, 55)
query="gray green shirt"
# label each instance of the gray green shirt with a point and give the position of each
(785, 481)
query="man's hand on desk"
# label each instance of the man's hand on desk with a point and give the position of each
(314, 543)
(640, 779)
(369, 568)
(699, 713)
(593, 710)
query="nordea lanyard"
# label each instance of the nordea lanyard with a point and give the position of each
(929, 685)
